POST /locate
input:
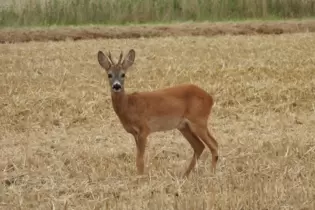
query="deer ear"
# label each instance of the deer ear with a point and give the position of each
(103, 60)
(129, 59)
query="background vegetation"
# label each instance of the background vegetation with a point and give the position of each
(64, 12)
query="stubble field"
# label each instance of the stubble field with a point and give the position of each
(62, 146)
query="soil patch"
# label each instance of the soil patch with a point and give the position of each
(124, 32)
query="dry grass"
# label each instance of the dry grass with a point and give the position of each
(63, 147)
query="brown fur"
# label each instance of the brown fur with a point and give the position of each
(183, 107)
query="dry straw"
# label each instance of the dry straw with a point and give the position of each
(62, 146)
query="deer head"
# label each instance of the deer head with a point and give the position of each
(116, 71)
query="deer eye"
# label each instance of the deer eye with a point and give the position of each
(122, 75)
(110, 76)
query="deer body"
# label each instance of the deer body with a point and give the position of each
(183, 107)
(161, 110)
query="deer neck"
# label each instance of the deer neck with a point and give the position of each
(120, 102)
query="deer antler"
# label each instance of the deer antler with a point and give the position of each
(120, 57)
(110, 57)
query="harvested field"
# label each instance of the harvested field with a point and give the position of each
(13, 35)
(62, 146)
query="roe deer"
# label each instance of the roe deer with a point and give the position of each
(183, 107)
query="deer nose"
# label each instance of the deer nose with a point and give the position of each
(116, 86)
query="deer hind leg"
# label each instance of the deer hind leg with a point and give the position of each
(204, 134)
(195, 143)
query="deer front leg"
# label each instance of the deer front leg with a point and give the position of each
(141, 141)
